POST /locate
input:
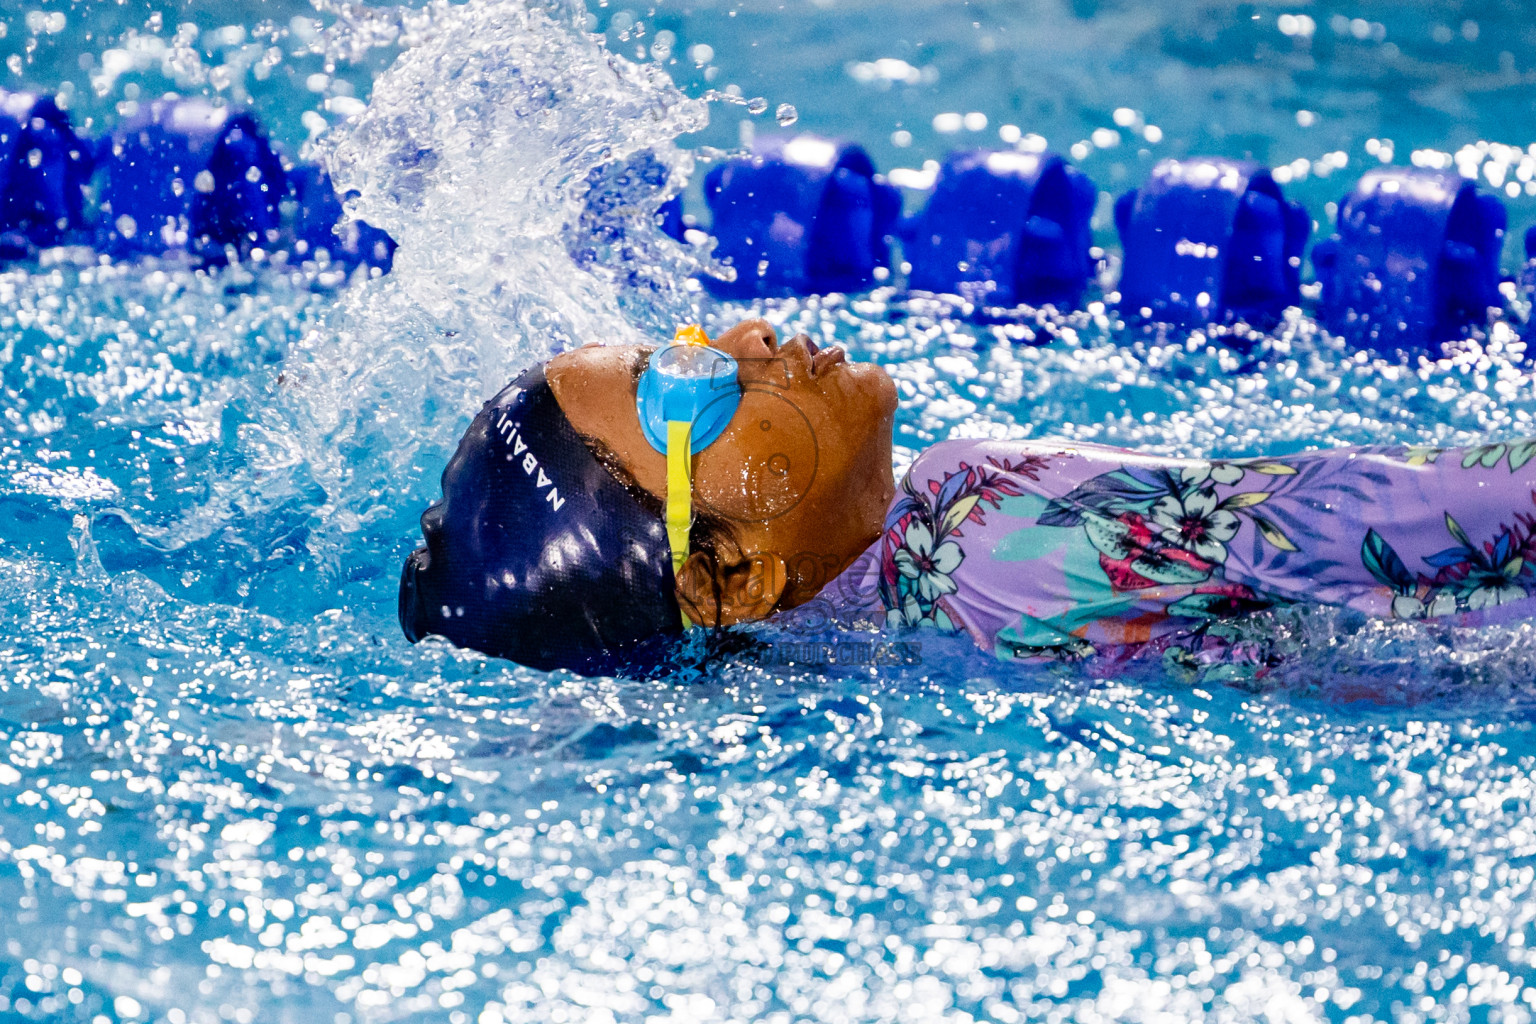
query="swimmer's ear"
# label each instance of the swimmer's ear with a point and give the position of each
(731, 586)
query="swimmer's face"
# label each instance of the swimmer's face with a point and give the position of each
(798, 484)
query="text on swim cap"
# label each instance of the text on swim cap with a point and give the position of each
(509, 434)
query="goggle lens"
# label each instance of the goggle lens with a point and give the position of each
(688, 382)
(687, 396)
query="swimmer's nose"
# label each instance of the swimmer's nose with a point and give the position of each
(810, 346)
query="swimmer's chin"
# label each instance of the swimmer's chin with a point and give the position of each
(873, 376)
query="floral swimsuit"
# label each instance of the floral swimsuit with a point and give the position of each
(1041, 549)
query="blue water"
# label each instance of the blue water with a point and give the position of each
(229, 791)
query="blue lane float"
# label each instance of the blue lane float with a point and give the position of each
(186, 175)
(1210, 240)
(671, 220)
(1003, 228)
(44, 168)
(181, 175)
(317, 225)
(1414, 262)
(1527, 283)
(803, 216)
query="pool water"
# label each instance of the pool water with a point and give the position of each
(230, 791)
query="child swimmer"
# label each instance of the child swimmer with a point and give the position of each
(606, 500)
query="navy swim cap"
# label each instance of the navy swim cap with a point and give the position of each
(536, 552)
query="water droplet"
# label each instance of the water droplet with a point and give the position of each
(786, 115)
(756, 105)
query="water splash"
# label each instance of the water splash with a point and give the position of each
(475, 153)
(484, 151)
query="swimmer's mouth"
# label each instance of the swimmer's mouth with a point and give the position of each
(823, 359)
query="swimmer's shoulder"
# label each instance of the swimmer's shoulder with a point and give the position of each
(946, 457)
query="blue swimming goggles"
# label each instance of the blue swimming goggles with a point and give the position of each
(687, 395)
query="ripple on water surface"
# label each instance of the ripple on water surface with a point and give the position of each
(335, 824)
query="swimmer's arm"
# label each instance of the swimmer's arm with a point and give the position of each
(1402, 531)
(1100, 542)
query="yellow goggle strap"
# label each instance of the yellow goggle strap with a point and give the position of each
(679, 493)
